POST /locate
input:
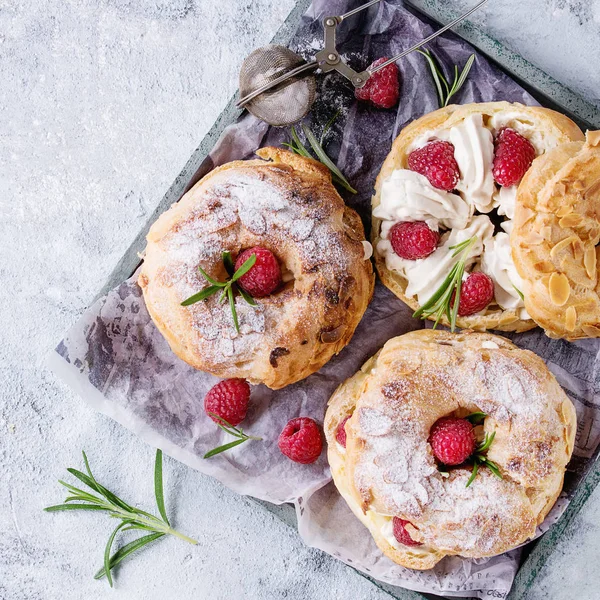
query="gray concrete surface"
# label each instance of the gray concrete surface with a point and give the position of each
(101, 103)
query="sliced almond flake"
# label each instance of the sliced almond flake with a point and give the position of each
(564, 210)
(577, 249)
(544, 266)
(591, 330)
(570, 318)
(560, 188)
(571, 220)
(562, 245)
(559, 288)
(589, 260)
(578, 185)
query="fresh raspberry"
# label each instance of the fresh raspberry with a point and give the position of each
(264, 277)
(513, 156)
(301, 440)
(383, 87)
(413, 240)
(401, 534)
(340, 433)
(436, 161)
(229, 400)
(476, 292)
(452, 440)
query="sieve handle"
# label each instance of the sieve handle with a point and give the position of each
(296, 71)
(428, 39)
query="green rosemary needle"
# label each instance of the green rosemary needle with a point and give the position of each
(131, 518)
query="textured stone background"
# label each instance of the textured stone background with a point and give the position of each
(102, 102)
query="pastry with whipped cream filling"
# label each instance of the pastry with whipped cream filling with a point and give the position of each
(444, 205)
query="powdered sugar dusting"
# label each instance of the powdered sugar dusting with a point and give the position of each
(396, 472)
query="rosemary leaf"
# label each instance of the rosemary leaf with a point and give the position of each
(60, 507)
(300, 148)
(462, 78)
(246, 296)
(328, 125)
(473, 474)
(107, 550)
(487, 442)
(205, 293)
(322, 156)
(244, 268)
(210, 279)
(123, 552)
(225, 447)
(518, 292)
(233, 310)
(158, 487)
(476, 418)
(438, 78)
(228, 262)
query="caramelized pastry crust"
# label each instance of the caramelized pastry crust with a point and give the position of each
(287, 204)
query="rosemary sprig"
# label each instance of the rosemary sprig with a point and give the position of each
(445, 91)
(519, 292)
(231, 430)
(298, 147)
(480, 460)
(132, 518)
(227, 288)
(440, 303)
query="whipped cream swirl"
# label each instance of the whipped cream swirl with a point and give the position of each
(425, 275)
(408, 196)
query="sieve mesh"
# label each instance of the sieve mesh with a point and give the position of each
(285, 104)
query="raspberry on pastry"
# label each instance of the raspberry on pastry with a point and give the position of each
(229, 400)
(281, 203)
(436, 161)
(514, 155)
(452, 440)
(301, 440)
(401, 534)
(476, 292)
(400, 401)
(413, 239)
(340, 434)
(383, 87)
(264, 277)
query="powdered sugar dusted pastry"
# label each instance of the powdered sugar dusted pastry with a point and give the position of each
(382, 429)
(457, 171)
(555, 238)
(286, 204)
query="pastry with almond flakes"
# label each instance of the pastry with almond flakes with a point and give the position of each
(450, 444)
(555, 239)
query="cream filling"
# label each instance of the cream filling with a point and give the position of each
(408, 196)
(497, 262)
(425, 275)
(474, 153)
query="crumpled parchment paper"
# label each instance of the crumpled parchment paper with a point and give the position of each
(120, 363)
